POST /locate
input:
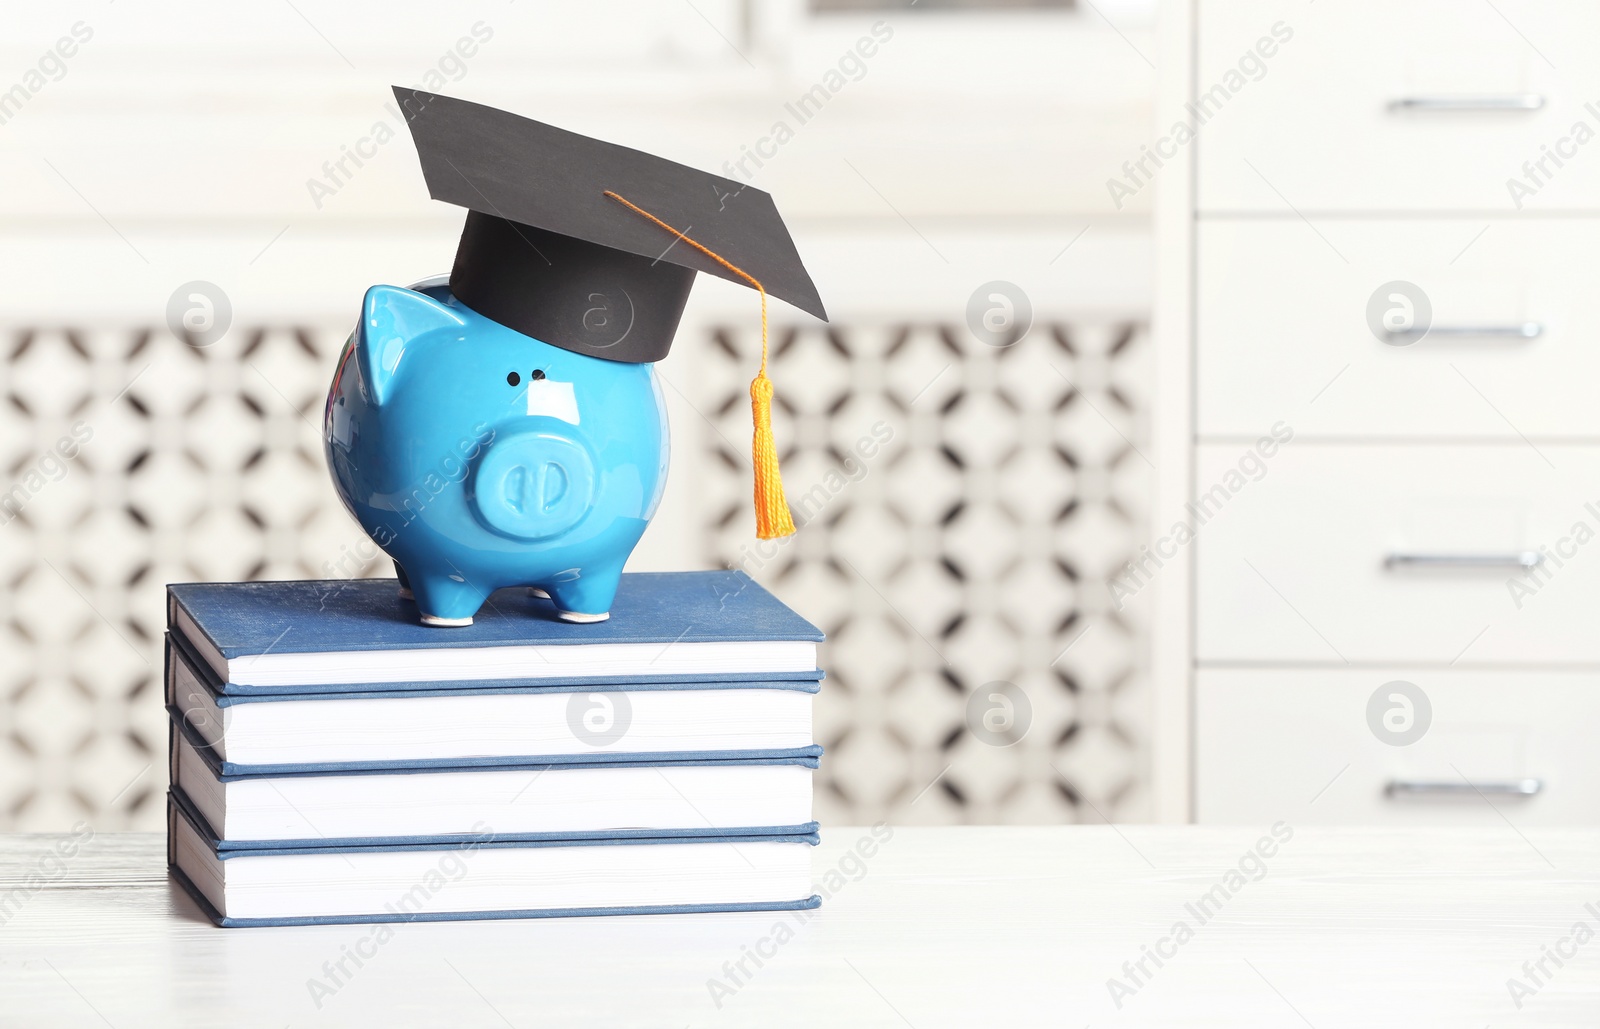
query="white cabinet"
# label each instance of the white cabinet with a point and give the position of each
(1513, 319)
(1428, 554)
(1398, 105)
(1435, 517)
(1297, 746)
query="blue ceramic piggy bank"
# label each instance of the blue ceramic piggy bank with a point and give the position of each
(479, 458)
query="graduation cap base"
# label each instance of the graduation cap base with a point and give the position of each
(578, 295)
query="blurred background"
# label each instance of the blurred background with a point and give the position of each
(1205, 429)
(195, 196)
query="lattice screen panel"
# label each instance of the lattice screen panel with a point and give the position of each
(972, 548)
(202, 463)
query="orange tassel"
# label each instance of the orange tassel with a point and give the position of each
(772, 509)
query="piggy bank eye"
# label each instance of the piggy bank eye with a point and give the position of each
(513, 379)
(537, 374)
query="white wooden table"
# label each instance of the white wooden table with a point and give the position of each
(1000, 927)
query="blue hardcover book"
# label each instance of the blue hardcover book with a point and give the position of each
(487, 725)
(486, 877)
(291, 808)
(321, 636)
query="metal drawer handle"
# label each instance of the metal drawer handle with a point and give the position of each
(1522, 330)
(1525, 559)
(1494, 102)
(1457, 788)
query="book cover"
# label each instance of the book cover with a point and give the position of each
(251, 633)
(224, 694)
(314, 616)
(179, 814)
(784, 755)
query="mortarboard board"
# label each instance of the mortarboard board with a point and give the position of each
(576, 242)
(547, 252)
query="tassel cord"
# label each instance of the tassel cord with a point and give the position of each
(772, 509)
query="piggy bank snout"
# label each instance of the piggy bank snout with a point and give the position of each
(534, 485)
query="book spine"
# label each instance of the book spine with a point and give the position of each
(168, 676)
(172, 751)
(172, 835)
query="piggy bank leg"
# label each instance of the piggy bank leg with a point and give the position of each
(446, 601)
(405, 582)
(586, 599)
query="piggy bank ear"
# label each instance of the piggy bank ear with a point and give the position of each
(391, 320)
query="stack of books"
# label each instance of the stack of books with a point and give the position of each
(332, 760)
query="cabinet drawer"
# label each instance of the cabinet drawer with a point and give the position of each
(1513, 345)
(1331, 554)
(1376, 105)
(1270, 744)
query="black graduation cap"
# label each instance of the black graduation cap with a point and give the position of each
(547, 252)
